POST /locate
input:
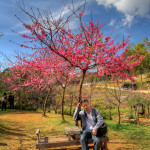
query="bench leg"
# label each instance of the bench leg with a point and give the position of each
(101, 146)
(69, 137)
(105, 146)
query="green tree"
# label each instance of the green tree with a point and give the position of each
(142, 48)
(3, 85)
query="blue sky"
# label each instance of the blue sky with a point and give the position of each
(125, 17)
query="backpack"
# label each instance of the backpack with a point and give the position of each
(4, 99)
(102, 130)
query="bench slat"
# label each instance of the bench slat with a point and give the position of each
(74, 147)
(61, 141)
(55, 142)
(73, 130)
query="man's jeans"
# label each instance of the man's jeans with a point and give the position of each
(87, 134)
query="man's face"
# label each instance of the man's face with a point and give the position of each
(85, 106)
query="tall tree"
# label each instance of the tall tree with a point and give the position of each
(62, 74)
(87, 49)
(143, 49)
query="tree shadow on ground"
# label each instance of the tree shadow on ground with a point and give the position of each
(6, 127)
(3, 144)
(7, 130)
(4, 131)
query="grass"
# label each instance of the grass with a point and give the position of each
(17, 131)
(137, 134)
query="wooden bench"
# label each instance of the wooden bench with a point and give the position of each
(62, 143)
(73, 132)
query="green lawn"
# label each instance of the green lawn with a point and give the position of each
(17, 131)
(137, 134)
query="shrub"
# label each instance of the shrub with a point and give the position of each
(148, 116)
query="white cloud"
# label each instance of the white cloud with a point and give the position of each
(63, 10)
(112, 22)
(130, 8)
(24, 32)
(127, 20)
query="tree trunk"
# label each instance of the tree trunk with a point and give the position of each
(50, 102)
(80, 91)
(44, 105)
(24, 95)
(62, 104)
(55, 111)
(37, 100)
(141, 79)
(118, 113)
(22, 99)
(145, 112)
(110, 112)
(81, 84)
(91, 91)
(20, 102)
(135, 110)
(137, 115)
(131, 113)
(71, 104)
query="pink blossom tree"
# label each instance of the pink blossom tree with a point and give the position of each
(61, 74)
(64, 74)
(42, 78)
(30, 76)
(51, 66)
(16, 80)
(87, 49)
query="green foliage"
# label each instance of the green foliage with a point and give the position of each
(3, 86)
(130, 115)
(137, 99)
(105, 115)
(148, 116)
(141, 48)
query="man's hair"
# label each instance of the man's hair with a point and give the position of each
(84, 101)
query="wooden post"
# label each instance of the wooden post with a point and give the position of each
(137, 114)
(105, 145)
(38, 134)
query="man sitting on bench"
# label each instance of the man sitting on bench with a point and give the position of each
(91, 120)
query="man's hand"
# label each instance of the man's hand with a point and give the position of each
(94, 132)
(79, 104)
